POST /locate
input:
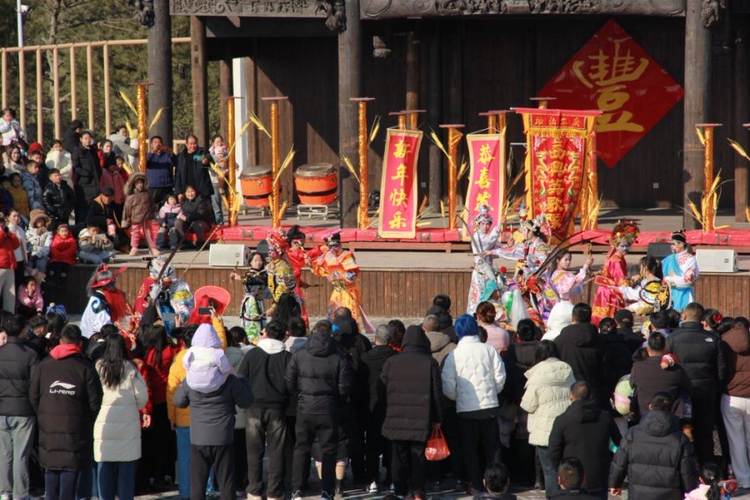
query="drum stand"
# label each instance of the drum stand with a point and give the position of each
(315, 211)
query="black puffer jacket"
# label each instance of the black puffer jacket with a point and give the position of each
(583, 432)
(59, 201)
(265, 367)
(66, 394)
(16, 364)
(321, 375)
(192, 172)
(700, 353)
(413, 388)
(195, 209)
(633, 340)
(648, 378)
(618, 360)
(87, 171)
(582, 348)
(658, 459)
(373, 361)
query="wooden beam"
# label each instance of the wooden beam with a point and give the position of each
(107, 110)
(90, 84)
(160, 71)
(412, 71)
(225, 91)
(741, 111)
(435, 185)
(251, 101)
(350, 85)
(697, 104)
(39, 99)
(73, 97)
(199, 76)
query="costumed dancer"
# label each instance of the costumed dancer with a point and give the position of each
(341, 270)
(172, 296)
(483, 242)
(608, 298)
(651, 294)
(280, 275)
(564, 284)
(680, 271)
(107, 305)
(253, 308)
(297, 256)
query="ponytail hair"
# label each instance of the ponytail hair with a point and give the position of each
(710, 475)
(653, 265)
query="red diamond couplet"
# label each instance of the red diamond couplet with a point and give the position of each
(616, 75)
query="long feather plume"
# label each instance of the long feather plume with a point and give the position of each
(156, 118)
(349, 166)
(128, 102)
(738, 147)
(287, 161)
(462, 169)
(374, 129)
(259, 124)
(436, 140)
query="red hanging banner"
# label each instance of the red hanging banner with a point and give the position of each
(398, 186)
(558, 163)
(487, 175)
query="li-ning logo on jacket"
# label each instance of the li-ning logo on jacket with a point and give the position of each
(58, 387)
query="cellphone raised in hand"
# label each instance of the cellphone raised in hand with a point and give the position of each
(204, 311)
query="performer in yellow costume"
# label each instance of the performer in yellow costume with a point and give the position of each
(341, 270)
(280, 275)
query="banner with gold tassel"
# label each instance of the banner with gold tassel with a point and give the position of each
(558, 164)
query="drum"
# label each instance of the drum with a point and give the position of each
(256, 185)
(316, 184)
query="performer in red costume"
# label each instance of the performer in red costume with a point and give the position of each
(297, 256)
(608, 298)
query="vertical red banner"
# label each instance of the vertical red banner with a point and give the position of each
(487, 175)
(398, 186)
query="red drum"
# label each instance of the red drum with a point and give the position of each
(316, 184)
(256, 185)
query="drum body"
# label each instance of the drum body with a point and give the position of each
(256, 185)
(316, 184)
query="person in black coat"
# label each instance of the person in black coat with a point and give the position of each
(87, 174)
(66, 395)
(265, 367)
(624, 320)
(582, 348)
(17, 423)
(441, 306)
(413, 387)
(59, 200)
(618, 359)
(192, 169)
(322, 377)
(700, 353)
(656, 456)
(373, 362)
(194, 215)
(583, 432)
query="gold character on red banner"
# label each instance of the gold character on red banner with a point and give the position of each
(483, 199)
(398, 221)
(398, 197)
(485, 154)
(402, 149)
(484, 181)
(400, 174)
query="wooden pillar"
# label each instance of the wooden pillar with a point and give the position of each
(199, 76)
(160, 71)
(350, 85)
(435, 185)
(225, 91)
(696, 105)
(412, 71)
(741, 111)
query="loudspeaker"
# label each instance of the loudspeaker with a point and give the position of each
(229, 255)
(659, 250)
(716, 261)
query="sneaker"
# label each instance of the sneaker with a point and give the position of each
(297, 495)
(373, 487)
(133, 252)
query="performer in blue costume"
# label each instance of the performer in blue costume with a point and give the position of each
(680, 272)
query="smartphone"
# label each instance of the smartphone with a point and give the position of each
(204, 311)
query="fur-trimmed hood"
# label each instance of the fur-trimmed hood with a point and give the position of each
(130, 184)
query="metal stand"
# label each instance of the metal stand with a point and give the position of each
(314, 211)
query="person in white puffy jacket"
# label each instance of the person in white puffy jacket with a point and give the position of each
(117, 430)
(547, 396)
(473, 375)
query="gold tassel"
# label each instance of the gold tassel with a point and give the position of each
(374, 130)
(701, 136)
(156, 118)
(349, 166)
(258, 124)
(436, 140)
(738, 147)
(287, 161)
(129, 103)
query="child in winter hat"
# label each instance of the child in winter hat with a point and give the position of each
(205, 362)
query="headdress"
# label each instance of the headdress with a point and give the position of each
(679, 236)
(104, 276)
(277, 240)
(484, 215)
(539, 225)
(294, 234)
(334, 239)
(156, 265)
(625, 232)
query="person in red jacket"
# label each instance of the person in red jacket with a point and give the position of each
(8, 244)
(62, 255)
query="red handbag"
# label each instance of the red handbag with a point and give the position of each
(437, 447)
